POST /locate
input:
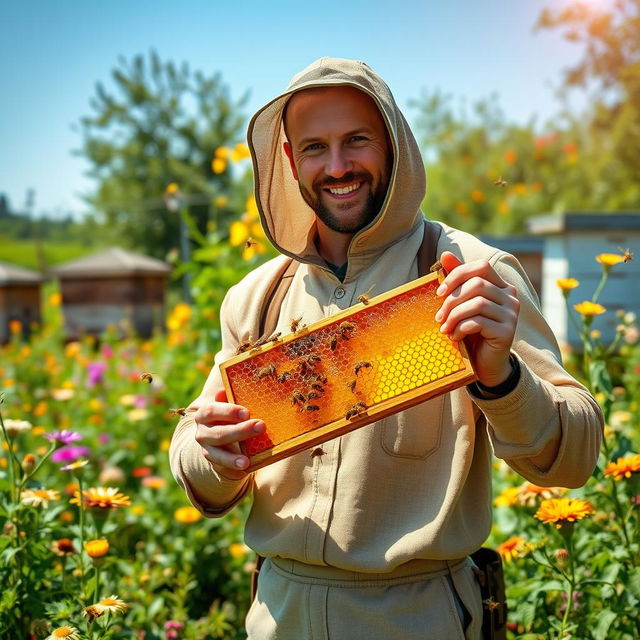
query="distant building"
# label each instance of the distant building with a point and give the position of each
(114, 287)
(19, 299)
(572, 240)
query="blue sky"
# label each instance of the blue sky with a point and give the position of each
(52, 53)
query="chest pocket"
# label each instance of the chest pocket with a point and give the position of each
(416, 432)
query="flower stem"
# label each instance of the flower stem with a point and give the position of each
(81, 516)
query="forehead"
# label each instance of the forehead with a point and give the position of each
(329, 109)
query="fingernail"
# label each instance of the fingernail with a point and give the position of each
(438, 316)
(239, 463)
(258, 427)
(243, 414)
(440, 291)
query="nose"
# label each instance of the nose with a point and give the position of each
(338, 162)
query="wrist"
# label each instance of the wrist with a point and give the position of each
(505, 387)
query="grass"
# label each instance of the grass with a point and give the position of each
(23, 252)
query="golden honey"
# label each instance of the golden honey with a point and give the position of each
(373, 359)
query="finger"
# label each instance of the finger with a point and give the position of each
(465, 271)
(219, 435)
(225, 459)
(221, 413)
(220, 396)
(449, 261)
(456, 312)
(491, 330)
(482, 294)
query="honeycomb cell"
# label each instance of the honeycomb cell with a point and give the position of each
(333, 374)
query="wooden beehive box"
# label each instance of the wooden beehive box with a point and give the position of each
(343, 372)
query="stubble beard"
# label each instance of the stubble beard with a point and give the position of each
(369, 210)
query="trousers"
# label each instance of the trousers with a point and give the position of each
(420, 600)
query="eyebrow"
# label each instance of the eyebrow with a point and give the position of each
(310, 139)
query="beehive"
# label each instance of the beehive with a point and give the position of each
(343, 372)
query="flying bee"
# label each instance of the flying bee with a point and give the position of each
(265, 372)
(346, 328)
(491, 604)
(352, 385)
(318, 451)
(500, 182)
(363, 364)
(333, 343)
(297, 398)
(146, 377)
(284, 376)
(178, 412)
(311, 407)
(627, 256)
(295, 323)
(250, 242)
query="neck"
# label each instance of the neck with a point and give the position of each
(332, 245)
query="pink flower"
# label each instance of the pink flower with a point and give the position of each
(69, 454)
(95, 373)
(63, 437)
(107, 351)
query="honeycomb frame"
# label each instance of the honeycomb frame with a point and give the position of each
(343, 372)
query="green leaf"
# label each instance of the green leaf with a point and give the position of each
(633, 582)
(605, 618)
(527, 611)
(599, 377)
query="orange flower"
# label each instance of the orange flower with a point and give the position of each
(477, 196)
(66, 633)
(609, 259)
(154, 482)
(566, 284)
(529, 493)
(511, 548)
(187, 515)
(96, 548)
(623, 467)
(589, 309)
(63, 547)
(101, 498)
(510, 156)
(508, 497)
(560, 511)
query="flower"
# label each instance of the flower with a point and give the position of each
(112, 604)
(623, 467)
(511, 548)
(141, 472)
(74, 466)
(508, 497)
(560, 511)
(63, 437)
(609, 259)
(136, 415)
(238, 550)
(172, 629)
(70, 633)
(589, 309)
(179, 317)
(187, 515)
(111, 475)
(101, 498)
(240, 152)
(154, 482)
(172, 189)
(95, 373)
(566, 284)
(96, 548)
(63, 394)
(63, 547)
(529, 493)
(14, 427)
(29, 463)
(37, 497)
(69, 454)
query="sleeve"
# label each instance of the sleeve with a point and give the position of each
(210, 492)
(549, 427)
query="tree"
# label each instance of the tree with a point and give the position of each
(162, 125)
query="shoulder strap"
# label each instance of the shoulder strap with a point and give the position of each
(428, 251)
(274, 298)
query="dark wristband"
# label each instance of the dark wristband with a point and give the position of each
(508, 385)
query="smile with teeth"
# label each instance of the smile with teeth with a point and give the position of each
(341, 191)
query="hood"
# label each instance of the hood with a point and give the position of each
(287, 219)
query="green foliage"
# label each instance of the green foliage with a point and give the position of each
(25, 253)
(161, 126)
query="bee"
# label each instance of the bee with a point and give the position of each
(319, 378)
(500, 182)
(284, 376)
(312, 407)
(297, 398)
(491, 604)
(333, 343)
(275, 337)
(244, 346)
(146, 377)
(436, 266)
(308, 362)
(363, 364)
(312, 395)
(317, 386)
(627, 256)
(295, 323)
(346, 328)
(250, 242)
(364, 298)
(178, 412)
(318, 451)
(352, 385)
(264, 372)
(357, 408)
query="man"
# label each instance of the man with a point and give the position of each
(371, 540)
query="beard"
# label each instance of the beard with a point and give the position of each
(334, 221)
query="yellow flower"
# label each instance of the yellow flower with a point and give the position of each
(72, 349)
(566, 284)
(623, 467)
(62, 394)
(187, 515)
(240, 152)
(238, 550)
(477, 196)
(560, 511)
(137, 510)
(55, 299)
(589, 309)
(218, 165)
(462, 208)
(221, 153)
(172, 189)
(221, 201)
(609, 259)
(112, 604)
(179, 317)
(101, 498)
(37, 497)
(68, 633)
(508, 497)
(238, 233)
(154, 482)
(529, 493)
(136, 415)
(96, 548)
(503, 208)
(511, 548)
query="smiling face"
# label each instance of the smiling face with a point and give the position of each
(340, 155)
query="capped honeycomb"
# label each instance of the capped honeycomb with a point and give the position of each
(375, 358)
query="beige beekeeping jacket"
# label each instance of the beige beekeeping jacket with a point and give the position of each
(416, 484)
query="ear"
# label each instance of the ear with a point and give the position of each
(289, 152)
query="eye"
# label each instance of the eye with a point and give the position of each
(314, 146)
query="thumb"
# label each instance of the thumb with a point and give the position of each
(220, 396)
(449, 261)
